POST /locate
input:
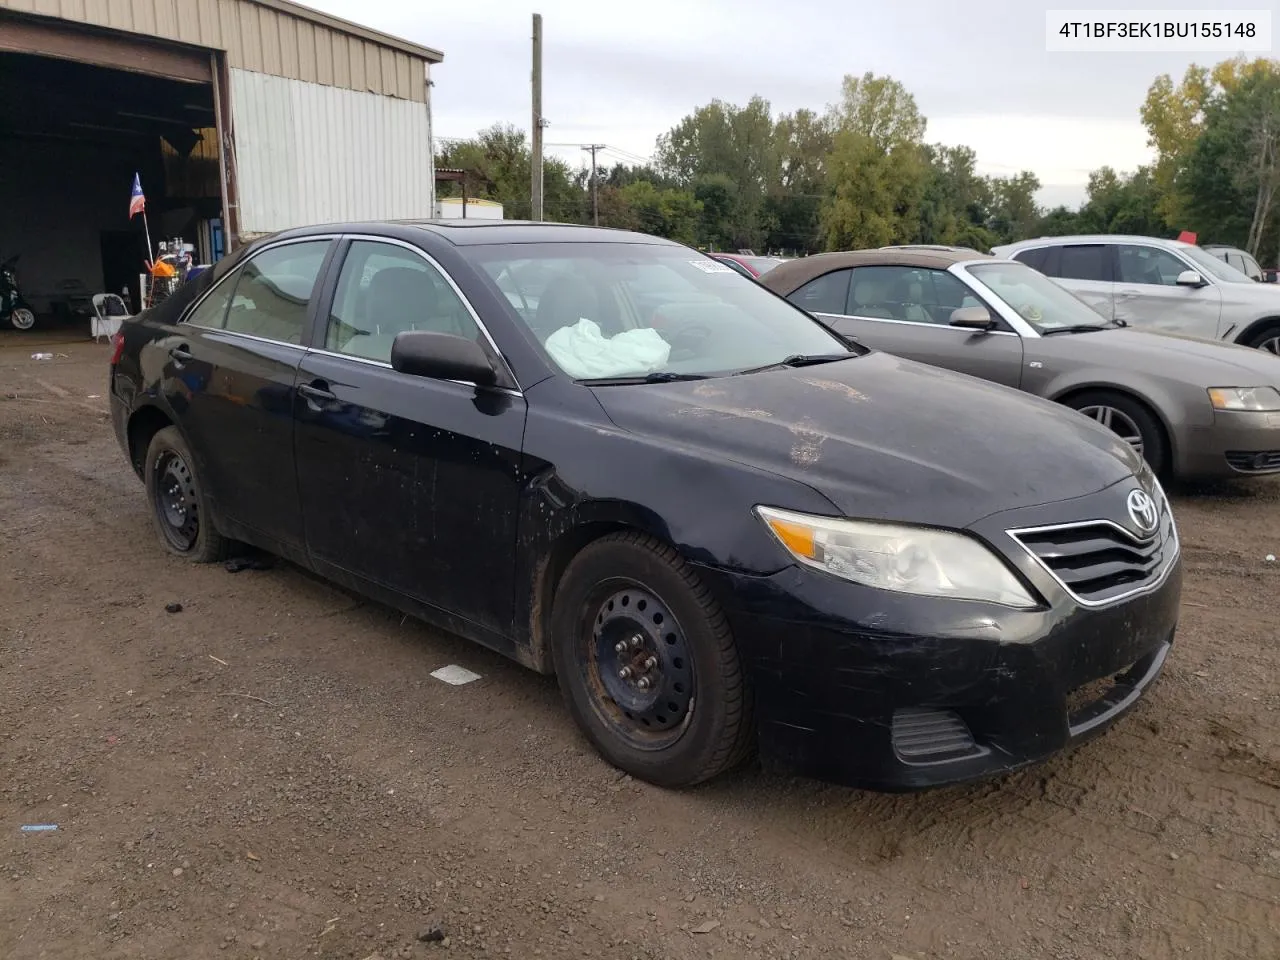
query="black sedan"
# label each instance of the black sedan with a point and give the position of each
(612, 458)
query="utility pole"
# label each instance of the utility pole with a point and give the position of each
(536, 136)
(595, 203)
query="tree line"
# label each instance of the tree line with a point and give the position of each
(861, 174)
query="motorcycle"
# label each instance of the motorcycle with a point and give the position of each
(13, 309)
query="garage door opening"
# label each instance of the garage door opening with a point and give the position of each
(72, 136)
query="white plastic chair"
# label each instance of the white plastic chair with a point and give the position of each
(109, 312)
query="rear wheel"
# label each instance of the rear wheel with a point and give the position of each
(647, 664)
(22, 319)
(1130, 421)
(179, 511)
(1268, 339)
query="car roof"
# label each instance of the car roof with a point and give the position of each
(1095, 238)
(474, 232)
(794, 273)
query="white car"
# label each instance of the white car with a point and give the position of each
(1163, 285)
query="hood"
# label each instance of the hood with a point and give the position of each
(1203, 363)
(885, 438)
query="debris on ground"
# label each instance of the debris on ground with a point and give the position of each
(253, 561)
(455, 675)
(173, 608)
(39, 827)
(706, 926)
(432, 934)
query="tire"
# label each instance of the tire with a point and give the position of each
(1267, 339)
(179, 510)
(632, 590)
(21, 318)
(1142, 423)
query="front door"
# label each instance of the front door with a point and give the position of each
(407, 482)
(229, 376)
(1148, 294)
(907, 311)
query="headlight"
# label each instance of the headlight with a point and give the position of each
(1256, 399)
(918, 560)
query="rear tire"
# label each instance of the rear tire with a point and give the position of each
(1267, 339)
(1128, 419)
(179, 510)
(647, 664)
(22, 318)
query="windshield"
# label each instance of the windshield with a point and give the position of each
(761, 265)
(606, 310)
(1207, 263)
(1034, 297)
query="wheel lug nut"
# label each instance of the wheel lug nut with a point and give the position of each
(620, 647)
(636, 641)
(651, 663)
(643, 683)
(624, 673)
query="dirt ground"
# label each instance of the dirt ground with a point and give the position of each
(273, 773)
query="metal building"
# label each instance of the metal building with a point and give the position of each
(242, 117)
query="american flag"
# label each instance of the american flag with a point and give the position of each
(137, 199)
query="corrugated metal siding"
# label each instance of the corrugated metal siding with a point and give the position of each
(310, 154)
(255, 37)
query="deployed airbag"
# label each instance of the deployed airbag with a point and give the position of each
(584, 353)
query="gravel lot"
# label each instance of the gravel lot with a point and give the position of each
(272, 772)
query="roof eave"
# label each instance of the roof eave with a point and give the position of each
(302, 12)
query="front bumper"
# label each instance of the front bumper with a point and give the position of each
(890, 691)
(1238, 443)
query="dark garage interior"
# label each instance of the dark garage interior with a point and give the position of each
(72, 136)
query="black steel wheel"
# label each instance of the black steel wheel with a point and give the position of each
(178, 508)
(647, 664)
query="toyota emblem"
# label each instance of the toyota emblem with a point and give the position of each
(1142, 511)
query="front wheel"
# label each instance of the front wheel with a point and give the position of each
(179, 510)
(22, 318)
(1268, 340)
(1130, 421)
(647, 664)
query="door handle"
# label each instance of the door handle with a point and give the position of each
(316, 391)
(181, 354)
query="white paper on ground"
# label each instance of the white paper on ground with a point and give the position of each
(583, 352)
(455, 675)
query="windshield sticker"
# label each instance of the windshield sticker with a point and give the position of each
(711, 266)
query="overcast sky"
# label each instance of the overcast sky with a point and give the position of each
(621, 74)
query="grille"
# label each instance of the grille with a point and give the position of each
(1254, 461)
(929, 735)
(1100, 562)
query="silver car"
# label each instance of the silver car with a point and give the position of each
(1192, 409)
(1164, 285)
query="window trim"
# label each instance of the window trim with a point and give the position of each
(1018, 327)
(235, 272)
(848, 285)
(431, 261)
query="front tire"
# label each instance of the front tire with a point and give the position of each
(1268, 339)
(179, 509)
(647, 664)
(21, 318)
(1129, 420)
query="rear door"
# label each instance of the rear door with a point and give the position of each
(407, 482)
(907, 311)
(229, 376)
(1087, 270)
(1148, 294)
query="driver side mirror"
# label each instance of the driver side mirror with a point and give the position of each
(442, 356)
(1190, 278)
(972, 318)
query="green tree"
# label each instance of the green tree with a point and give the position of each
(663, 212)
(798, 174)
(499, 166)
(876, 169)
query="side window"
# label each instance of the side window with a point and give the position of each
(1251, 268)
(274, 290)
(1033, 258)
(1149, 265)
(1081, 262)
(212, 311)
(824, 294)
(385, 290)
(911, 294)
